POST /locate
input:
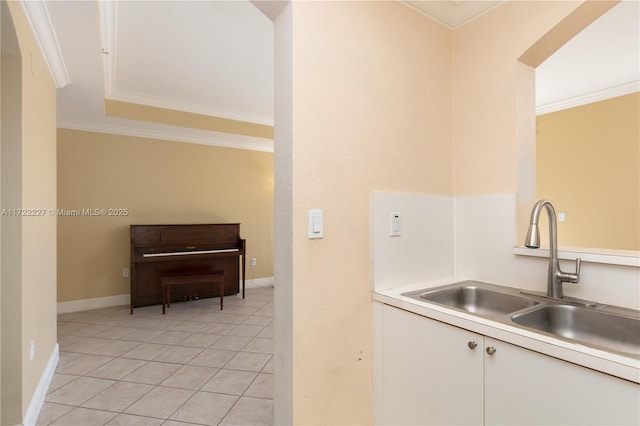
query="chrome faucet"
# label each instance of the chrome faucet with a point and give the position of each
(555, 276)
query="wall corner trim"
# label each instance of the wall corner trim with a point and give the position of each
(38, 17)
(31, 417)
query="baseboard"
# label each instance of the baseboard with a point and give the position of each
(97, 303)
(31, 417)
(259, 282)
(124, 299)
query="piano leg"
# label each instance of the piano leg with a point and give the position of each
(243, 269)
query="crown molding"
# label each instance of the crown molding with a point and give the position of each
(168, 133)
(587, 98)
(108, 12)
(40, 22)
(172, 104)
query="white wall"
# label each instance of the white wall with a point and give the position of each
(484, 230)
(424, 249)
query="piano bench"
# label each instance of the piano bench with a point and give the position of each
(216, 277)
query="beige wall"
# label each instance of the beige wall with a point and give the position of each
(485, 55)
(371, 96)
(37, 293)
(588, 165)
(159, 182)
(494, 93)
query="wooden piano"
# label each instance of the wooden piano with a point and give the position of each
(174, 250)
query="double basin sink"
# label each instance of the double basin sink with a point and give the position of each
(610, 328)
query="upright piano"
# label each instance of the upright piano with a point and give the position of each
(170, 250)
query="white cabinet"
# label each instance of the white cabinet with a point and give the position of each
(431, 375)
(526, 387)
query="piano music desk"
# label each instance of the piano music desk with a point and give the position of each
(216, 277)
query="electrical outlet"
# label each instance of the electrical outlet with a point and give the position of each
(32, 350)
(125, 272)
(253, 261)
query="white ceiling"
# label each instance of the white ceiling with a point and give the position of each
(216, 58)
(212, 58)
(601, 62)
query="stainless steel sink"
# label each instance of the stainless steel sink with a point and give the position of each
(477, 298)
(592, 327)
(612, 328)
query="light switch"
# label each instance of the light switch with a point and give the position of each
(395, 224)
(562, 216)
(316, 224)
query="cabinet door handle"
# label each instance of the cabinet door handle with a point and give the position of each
(472, 345)
(491, 350)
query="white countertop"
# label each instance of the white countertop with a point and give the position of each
(619, 365)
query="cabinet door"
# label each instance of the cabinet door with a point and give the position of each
(526, 387)
(430, 375)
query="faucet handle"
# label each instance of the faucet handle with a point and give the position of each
(569, 277)
(575, 278)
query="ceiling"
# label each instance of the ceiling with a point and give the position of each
(214, 60)
(601, 62)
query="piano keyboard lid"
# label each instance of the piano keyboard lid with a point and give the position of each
(187, 253)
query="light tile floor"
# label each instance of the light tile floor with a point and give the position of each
(196, 365)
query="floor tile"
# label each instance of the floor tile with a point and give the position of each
(231, 382)
(60, 380)
(65, 340)
(231, 318)
(83, 364)
(267, 311)
(231, 343)
(269, 367)
(169, 337)
(196, 365)
(213, 358)
(141, 335)
(205, 408)
(146, 351)
(152, 373)
(215, 328)
(200, 340)
(188, 326)
(250, 411)
(258, 320)
(267, 333)
(78, 391)
(177, 423)
(248, 361)
(51, 412)
(118, 396)
(262, 387)
(259, 345)
(160, 402)
(65, 357)
(115, 332)
(88, 345)
(85, 416)
(131, 420)
(243, 310)
(117, 368)
(245, 330)
(190, 377)
(178, 354)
